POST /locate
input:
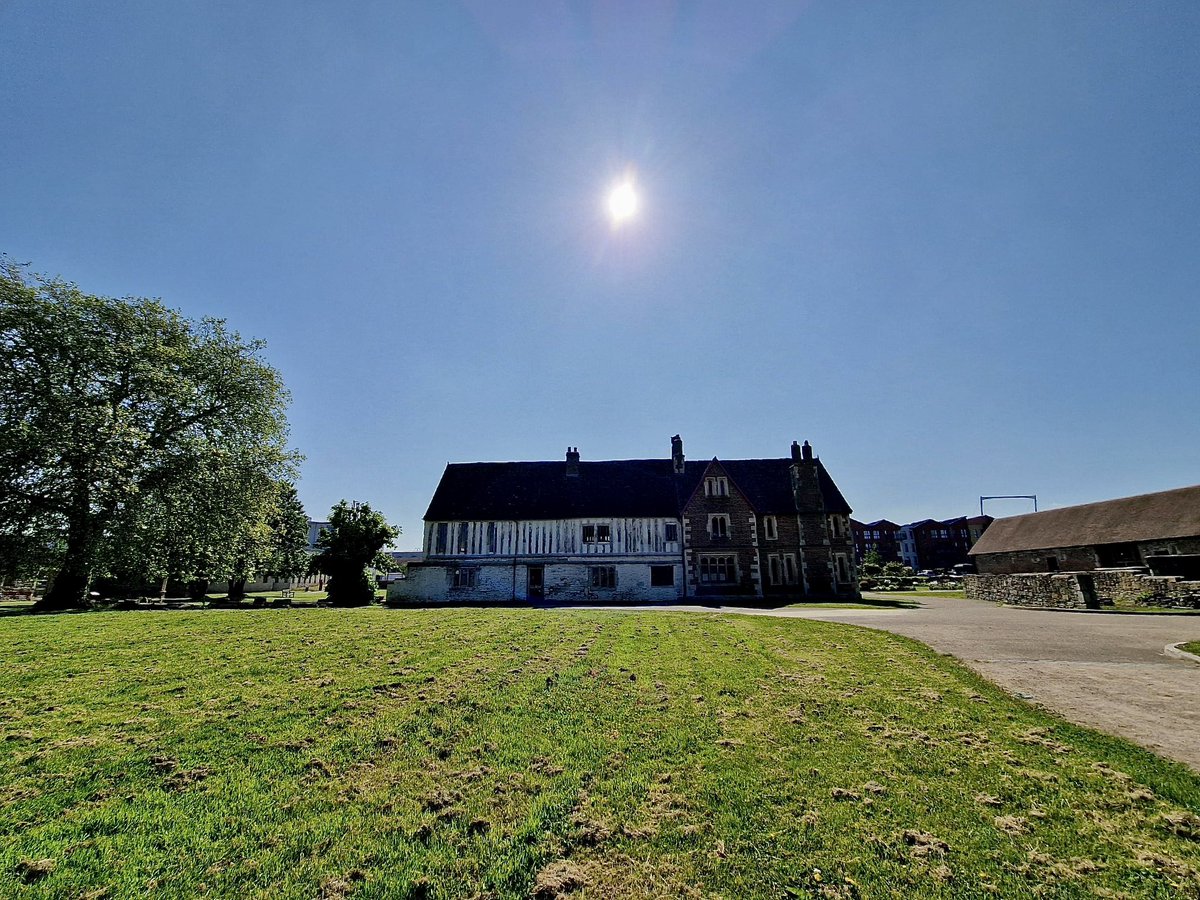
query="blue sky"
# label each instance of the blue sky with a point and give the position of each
(953, 245)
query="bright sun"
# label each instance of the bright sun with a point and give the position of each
(622, 201)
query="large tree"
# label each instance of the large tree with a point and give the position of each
(353, 542)
(287, 545)
(128, 428)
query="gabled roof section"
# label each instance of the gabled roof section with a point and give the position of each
(1146, 517)
(767, 484)
(610, 488)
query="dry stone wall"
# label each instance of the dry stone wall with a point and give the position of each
(1083, 590)
(1039, 589)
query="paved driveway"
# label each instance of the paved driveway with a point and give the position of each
(1106, 671)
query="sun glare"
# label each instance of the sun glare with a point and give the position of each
(622, 201)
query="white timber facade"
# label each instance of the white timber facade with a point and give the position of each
(595, 557)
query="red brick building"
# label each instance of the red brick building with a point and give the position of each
(880, 536)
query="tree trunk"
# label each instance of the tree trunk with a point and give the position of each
(69, 590)
(237, 589)
(197, 588)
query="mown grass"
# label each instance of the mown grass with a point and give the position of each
(949, 594)
(495, 753)
(1193, 647)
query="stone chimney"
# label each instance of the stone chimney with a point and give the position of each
(677, 454)
(802, 454)
(573, 461)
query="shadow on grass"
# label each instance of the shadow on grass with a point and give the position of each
(714, 603)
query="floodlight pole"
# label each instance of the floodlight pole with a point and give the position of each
(1032, 497)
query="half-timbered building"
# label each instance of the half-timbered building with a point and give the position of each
(634, 530)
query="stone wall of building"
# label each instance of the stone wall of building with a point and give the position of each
(1082, 590)
(1062, 559)
(563, 581)
(1074, 559)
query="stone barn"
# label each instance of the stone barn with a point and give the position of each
(1157, 532)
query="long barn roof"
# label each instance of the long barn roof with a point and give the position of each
(1146, 517)
(611, 488)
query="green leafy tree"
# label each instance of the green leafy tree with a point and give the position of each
(287, 544)
(872, 564)
(353, 542)
(129, 430)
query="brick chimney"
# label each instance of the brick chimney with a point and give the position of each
(677, 454)
(802, 454)
(814, 528)
(573, 461)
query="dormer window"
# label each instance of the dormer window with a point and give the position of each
(716, 486)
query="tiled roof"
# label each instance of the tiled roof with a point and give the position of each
(610, 488)
(1147, 517)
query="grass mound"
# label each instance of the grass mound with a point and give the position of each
(514, 753)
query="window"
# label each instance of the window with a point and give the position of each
(602, 576)
(463, 578)
(842, 567)
(491, 537)
(597, 534)
(718, 526)
(716, 487)
(774, 569)
(790, 573)
(443, 531)
(770, 528)
(1051, 563)
(672, 532)
(718, 570)
(462, 537)
(662, 576)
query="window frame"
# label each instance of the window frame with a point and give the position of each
(791, 569)
(597, 575)
(775, 570)
(464, 577)
(713, 518)
(841, 567)
(709, 566)
(770, 528)
(716, 486)
(596, 533)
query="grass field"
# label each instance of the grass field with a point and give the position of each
(1193, 647)
(495, 753)
(928, 592)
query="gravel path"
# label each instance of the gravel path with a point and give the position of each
(1106, 671)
